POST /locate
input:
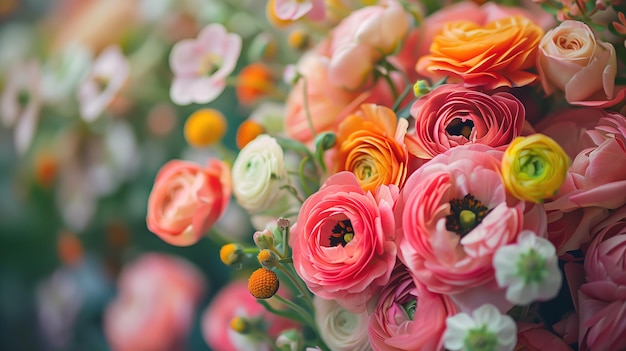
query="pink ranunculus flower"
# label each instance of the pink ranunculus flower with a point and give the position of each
(408, 316)
(452, 115)
(187, 199)
(105, 79)
(452, 215)
(202, 65)
(602, 299)
(534, 337)
(362, 39)
(154, 310)
(595, 183)
(291, 10)
(343, 241)
(235, 300)
(571, 59)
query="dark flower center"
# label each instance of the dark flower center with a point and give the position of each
(460, 127)
(342, 233)
(465, 214)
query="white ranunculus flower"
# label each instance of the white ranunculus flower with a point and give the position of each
(259, 175)
(340, 329)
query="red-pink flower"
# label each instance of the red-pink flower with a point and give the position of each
(155, 306)
(452, 115)
(187, 199)
(602, 300)
(342, 242)
(235, 300)
(408, 316)
(453, 214)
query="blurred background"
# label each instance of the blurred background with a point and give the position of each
(74, 190)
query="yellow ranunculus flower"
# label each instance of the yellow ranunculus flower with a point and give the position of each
(534, 167)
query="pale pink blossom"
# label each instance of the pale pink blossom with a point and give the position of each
(602, 299)
(295, 9)
(103, 82)
(155, 306)
(20, 103)
(571, 59)
(452, 115)
(452, 216)
(342, 242)
(201, 65)
(408, 316)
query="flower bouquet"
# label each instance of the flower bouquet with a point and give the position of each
(418, 175)
(435, 176)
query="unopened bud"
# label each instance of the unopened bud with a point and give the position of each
(264, 239)
(421, 88)
(231, 254)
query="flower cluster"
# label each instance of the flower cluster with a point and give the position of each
(437, 219)
(416, 175)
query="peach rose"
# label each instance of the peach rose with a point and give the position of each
(342, 242)
(157, 300)
(187, 199)
(500, 53)
(602, 299)
(452, 115)
(371, 145)
(571, 59)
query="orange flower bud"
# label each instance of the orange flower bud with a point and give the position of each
(255, 81)
(248, 131)
(263, 283)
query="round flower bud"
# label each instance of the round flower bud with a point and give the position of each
(421, 87)
(240, 325)
(263, 283)
(264, 239)
(267, 258)
(205, 127)
(231, 254)
(534, 167)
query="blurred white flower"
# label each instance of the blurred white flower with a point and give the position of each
(62, 73)
(485, 330)
(340, 329)
(20, 103)
(107, 76)
(528, 269)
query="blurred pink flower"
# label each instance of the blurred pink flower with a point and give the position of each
(105, 79)
(296, 9)
(20, 102)
(452, 215)
(362, 39)
(596, 182)
(187, 199)
(571, 59)
(452, 115)
(534, 337)
(202, 65)
(408, 316)
(342, 242)
(602, 299)
(234, 300)
(155, 306)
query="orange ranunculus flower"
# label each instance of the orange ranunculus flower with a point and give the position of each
(501, 53)
(370, 145)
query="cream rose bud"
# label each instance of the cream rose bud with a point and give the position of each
(341, 330)
(572, 59)
(258, 177)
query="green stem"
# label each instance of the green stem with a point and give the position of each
(303, 291)
(307, 111)
(306, 315)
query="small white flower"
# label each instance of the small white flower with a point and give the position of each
(259, 175)
(528, 269)
(485, 330)
(340, 329)
(107, 76)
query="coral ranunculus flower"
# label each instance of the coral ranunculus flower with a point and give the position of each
(343, 241)
(187, 199)
(371, 145)
(501, 53)
(452, 115)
